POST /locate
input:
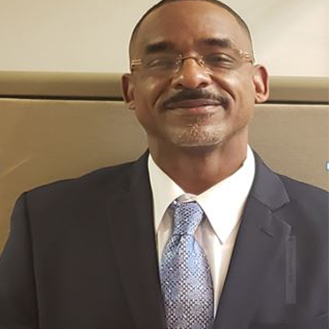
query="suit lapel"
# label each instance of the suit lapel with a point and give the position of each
(259, 247)
(133, 237)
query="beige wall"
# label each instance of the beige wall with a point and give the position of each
(291, 37)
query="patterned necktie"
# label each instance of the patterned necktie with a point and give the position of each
(185, 273)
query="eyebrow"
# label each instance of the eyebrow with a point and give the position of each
(159, 47)
(218, 42)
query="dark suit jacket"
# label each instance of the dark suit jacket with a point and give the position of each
(82, 255)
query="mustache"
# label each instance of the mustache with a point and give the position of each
(188, 94)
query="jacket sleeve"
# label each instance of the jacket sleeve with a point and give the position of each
(18, 302)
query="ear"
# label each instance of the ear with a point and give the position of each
(261, 83)
(128, 90)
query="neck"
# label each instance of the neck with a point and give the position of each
(196, 169)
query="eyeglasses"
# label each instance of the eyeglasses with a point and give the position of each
(227, 59)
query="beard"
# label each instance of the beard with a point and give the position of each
(198, 135)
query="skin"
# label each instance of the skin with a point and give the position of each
(202, 141)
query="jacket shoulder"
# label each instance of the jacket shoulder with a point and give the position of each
(79, 188)
(298, 190)
(307, 209)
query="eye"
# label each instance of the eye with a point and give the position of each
(220, 60)
(160, 63)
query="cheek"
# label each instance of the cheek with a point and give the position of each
(242, 90)
(148, 91)
(146, 96)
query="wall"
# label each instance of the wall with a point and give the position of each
(291, 37)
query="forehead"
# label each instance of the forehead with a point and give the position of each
(186, 23)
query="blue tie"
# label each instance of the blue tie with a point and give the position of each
(185, 273)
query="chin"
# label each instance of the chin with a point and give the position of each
(199, 137)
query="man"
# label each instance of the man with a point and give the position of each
(116, 248)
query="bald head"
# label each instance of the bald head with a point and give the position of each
(237, 17)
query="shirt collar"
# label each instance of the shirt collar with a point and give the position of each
(164, 191)
(223, 203)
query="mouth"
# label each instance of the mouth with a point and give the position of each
(195, 106)
(192, 103)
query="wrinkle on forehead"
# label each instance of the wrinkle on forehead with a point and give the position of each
(167, 46)
(197, 20)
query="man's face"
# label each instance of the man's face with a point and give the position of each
(193, 105)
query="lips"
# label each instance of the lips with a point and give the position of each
(192, 103)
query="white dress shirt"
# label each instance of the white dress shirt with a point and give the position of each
(223, 205)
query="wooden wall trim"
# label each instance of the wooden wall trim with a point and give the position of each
(65, 85)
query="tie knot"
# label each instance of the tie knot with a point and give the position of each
(187, 217)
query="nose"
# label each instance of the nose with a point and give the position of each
(191, 75)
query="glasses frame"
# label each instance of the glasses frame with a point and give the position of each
(199, 59)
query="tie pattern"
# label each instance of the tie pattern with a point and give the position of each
(185, 273)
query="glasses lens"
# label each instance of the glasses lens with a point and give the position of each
(220, 59)
(163, 63)
(223, 59)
